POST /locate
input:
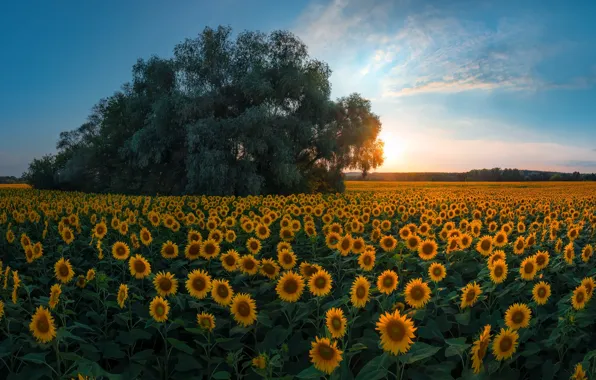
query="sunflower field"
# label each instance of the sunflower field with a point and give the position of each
(388, 280)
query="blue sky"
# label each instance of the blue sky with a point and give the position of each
(458, 84)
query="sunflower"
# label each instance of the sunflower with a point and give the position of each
(320, 283)
(159, 309)
(139, 267)
(287, 259)
(120, 250)
(192, 251)
(290, 287)
(344, 246)
(332, 240)
(505, 344)
(366, 260)
(55, 292)
(269, 268)
(496, 255)
(500, 239)
(579, 373)
(67, 235)
(209, 249)
(579, 297)
(80, 281)
(569, 253)
(215, 235)
(452, 244)
(358, 245)
(1, 309)
(479, 349)
(222, 292)
(519, 246)
(253, 245)
(90, 275)
(465, 241)
(336, 322)
(412, 242)
(360, 292)
(485, 245)
(470, 294)
(498, 271)
(387, 243)
(229, 260)
(206, 321)
(42, 325)
(100, 230)
(284, 245)
(404, 232)
(589, 283)
(542, 259)
(165, 284)
(198, 283)
(427, 250)
(249, 265)
(437, 272)
(244, 309)
(262, 231)
(528, 268)
(145, 236)
(387, 282)
(518, 316)
(122, 295)
(308, 269)
(586, 253)
(541, 293)
(63, 270)
(169, 250)
(230, 236)
(286, 234)
(397, 332)
(417, 293)
(325, 355)
(259, 362)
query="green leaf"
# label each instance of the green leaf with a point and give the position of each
(179, 345)
(187, 363)
(430, 331)
(549, 370)
(463, 318)
(374, 369)
(357, 347)
(35, 357)
(64, 335)
(419, 351)
(456, 346)
(309, 373)
(142, 355)
(221, 375)
(530, 349)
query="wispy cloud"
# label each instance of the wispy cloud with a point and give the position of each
(432, 51)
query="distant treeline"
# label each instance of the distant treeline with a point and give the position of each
(10, 180)
(476, 175)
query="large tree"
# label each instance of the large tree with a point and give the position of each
(244, 115)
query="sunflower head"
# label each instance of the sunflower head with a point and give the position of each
(42, 325)
(319, 284)
(244, 309)
(290, 287)
(159, 309)
(336, 322)
(417, 293)
(396, 331)
(360, 293)
(198, 283)
(325, 355)
(387, 281)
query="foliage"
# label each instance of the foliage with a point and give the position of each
(250, 115)
(102, 336)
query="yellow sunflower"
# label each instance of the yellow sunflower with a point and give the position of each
(589, 283)
(344, 246)
(519, 246)
(290, 287)
(259, 362)
(528, 268)
(287, 259)
(120, 250)
(387, 243)
(253, 245)
(139, 267)
(579, 297)
(122, 295)
(308, 269)
(206, 321)
(498, 271)
(244, 309)
(366, 260)
(500, 239)
(320, 283)
(229, 260)
(165, 284)
(145, 236)
(336, 322)
(63, 271)
(579, 373)
(485, 245)
(417, 293)
(42, 325)
(100, 230)
(569, 253)
(427, 250)
(209, 249)
(192, 251)
(541, 293)
(397, 332)
(222, 292)
(518, 316)
(269, 268)
(198, 283)
(159, 309)
(358, 245)
(169, 250)
(387, 281)
(325, 355)
(470, 294)
(505, 344)
(360, 292)
(249, 265)
(480, 348)
(55, 292)
(542, 259)
(437, 272)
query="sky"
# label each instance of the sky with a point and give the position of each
(458, 84)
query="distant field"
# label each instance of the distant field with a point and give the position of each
(14, 186)
(396, 185)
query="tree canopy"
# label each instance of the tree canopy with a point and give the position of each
(228, 116)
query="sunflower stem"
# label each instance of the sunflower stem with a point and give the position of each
(58, 364)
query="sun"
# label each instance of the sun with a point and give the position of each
(394, 149)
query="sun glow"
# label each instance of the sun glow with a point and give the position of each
(394, 151)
